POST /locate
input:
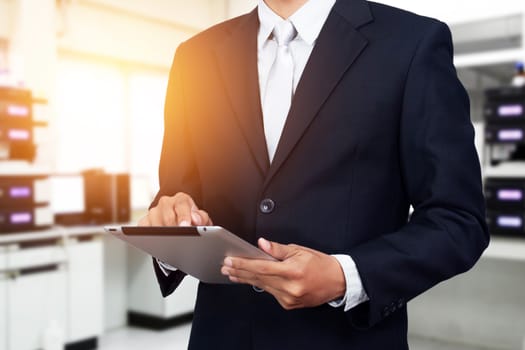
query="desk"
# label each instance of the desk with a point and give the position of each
(506, 249)
(53, 275)
(510, 249)
(58, 232)
(483, 307)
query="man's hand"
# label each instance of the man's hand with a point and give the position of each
(301, 278)
(178, 210)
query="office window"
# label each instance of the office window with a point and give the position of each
(111, 118)
(146, 102)
(90, 126)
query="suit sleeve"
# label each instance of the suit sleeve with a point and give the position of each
(177, 169)
(447, 232)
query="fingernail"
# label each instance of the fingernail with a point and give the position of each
(184, 223)
(224, 271)
(228, 262)
(196, 218)
(265, 244)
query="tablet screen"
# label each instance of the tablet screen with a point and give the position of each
(161, 230)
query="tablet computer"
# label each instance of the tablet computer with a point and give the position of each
(199, 251)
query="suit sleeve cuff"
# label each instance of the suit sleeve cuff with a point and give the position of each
(165, 268)
(355, 293)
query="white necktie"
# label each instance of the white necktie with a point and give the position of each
(279, 88)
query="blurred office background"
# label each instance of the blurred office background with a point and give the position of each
(82, 87)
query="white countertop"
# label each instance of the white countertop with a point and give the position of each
(506, 248)
(54, 232)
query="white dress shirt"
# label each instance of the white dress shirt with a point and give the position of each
(308, 22)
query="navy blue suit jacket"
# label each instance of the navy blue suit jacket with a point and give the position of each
(379, 122)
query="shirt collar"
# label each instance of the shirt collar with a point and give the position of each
(308, 20)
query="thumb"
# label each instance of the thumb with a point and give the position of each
(278, 251)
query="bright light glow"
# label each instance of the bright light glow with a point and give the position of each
(147, 92)
(510, 221)
(21, 218)
(18, 111)
(510, 110)
(20, 192)
(510, 135)
(510, 195)
(90, 122)
(111, 120)
(19, 134)
(67, 194)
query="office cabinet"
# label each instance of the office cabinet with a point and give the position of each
(183, 300)
(115, 283)
(36, 300)
(3, 301)
(84, 286)
(51, 282)
(36, 291)
(3, 312)
(144, 300)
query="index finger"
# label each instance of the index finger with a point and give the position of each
(144, 221)
(183, 207)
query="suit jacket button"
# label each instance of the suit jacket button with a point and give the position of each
(386, 311)
(267, 206)
(393, 307)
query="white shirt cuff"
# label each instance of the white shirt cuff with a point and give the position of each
(166, 268)
(355, 293)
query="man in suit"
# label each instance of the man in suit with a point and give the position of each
(309, 128)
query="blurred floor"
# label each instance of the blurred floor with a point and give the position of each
(426, 344)
(140, 339)
(177, 338)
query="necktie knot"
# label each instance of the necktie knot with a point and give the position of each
(284, 32)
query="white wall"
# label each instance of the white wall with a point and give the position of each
(239, 7)
(195, 13)
(450, 11)
(146, 32)
(4, 18)
(139, 31)
(454, 11)
(149, 31)
(32, 43)
(136, 31)
(107, 34)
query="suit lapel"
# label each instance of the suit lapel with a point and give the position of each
(338, 46)
(237, 59)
